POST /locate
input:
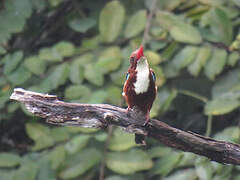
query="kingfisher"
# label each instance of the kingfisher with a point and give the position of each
(139, 89)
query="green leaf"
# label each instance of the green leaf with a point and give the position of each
(109, 60)
(159, 151)
(184, 57)
(80, 163)
(57, 157)
(228, 83)
(233, 58)
(231, 134)
(128, 162)
(27, 171)
(236, 2)
(186, 174)
(117, 178)
(166, 19)
(55, 2)
(2, 50)
(4, 97)
(165, 4)
(185, 33)
(13, 11)
(35, 65)
(119, 77)
(6, 175)
(212, 2)
(64, 49)
(90, 43)
(57, 77)
(188, 159)
(201, 59)
(221, 105)
(40, 134)
(221, 26)
(121, 140)
(157, 45)
(76, 74)
(9, 160)
(19, 76)
(204, 169)
(38, 5)
(82, 25)
(22, 8)
(179, 30)
(75, 129)
(216, 63)
(153, 57)
(77, 143)
(136, 24)
(60, 134)
(98, 97)
(102, 136)
(170, 50)
(45, 171)
(114, 95)
(237, 177)
(76, 69)
(12, 107)
(111, 21)
(76, 91)
(93, 75)
(12, 61)
(166, 164)
(166, 98)
(50, 54)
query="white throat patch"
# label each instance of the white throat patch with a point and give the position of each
(142, 81)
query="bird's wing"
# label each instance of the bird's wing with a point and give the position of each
(153, 75)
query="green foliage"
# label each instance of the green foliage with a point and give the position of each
(27, 171)
(111, 21)
(82, 25)
(9, 160)
(166, 164)
(128, 162)
(139, 20)
(121, 141)
(179, 30)
(78, 164)
(40, 134)
(80, 51)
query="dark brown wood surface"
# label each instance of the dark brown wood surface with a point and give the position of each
(103, 115)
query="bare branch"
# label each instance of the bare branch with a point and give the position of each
(148, 23)
(103, 115)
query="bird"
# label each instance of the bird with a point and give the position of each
(139, 89)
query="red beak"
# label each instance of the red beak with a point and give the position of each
(139, 52)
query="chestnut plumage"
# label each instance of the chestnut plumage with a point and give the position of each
(139, 88)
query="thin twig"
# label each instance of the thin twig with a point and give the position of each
(209, 126)
(148, 23)
(102, 167)
(192, 94)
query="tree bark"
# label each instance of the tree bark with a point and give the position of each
(103, 115)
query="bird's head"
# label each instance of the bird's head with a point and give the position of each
(137, 57)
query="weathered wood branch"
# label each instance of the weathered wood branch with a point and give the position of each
(102, 115)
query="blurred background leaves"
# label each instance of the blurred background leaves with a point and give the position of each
(79, 50)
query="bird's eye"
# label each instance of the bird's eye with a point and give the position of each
(153, 76)
(127, 76)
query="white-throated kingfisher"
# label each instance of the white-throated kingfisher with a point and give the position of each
(139, 88)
